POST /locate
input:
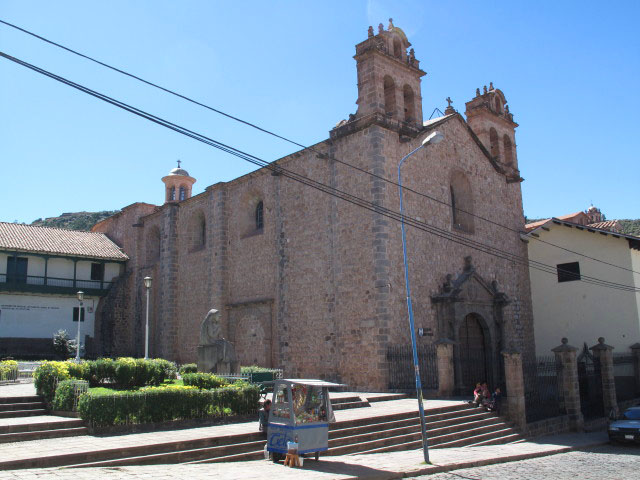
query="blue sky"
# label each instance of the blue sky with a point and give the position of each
(568, 69)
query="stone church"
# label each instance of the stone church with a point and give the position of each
(315, 285)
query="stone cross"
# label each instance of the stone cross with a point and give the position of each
(179, 162)
(449, 101)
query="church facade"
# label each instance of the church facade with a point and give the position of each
(315, 285)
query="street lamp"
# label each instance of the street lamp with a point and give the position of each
(80, 295)
(147, 285)
(435, 137)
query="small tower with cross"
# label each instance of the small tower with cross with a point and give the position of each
(177, 185)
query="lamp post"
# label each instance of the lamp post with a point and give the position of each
(434, 138)
(147, 285)
(80, 295)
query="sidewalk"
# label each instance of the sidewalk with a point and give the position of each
(378, 466)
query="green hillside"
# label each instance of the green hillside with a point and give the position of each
(630, 227)
(75, 221)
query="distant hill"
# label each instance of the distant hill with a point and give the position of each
(630, 227)
(75, 221)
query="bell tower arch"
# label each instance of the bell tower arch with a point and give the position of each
(177, 185)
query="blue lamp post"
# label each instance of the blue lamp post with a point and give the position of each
(435, 137)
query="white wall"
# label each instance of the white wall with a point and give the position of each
(62, 267)
(577, 310)
(40, 316)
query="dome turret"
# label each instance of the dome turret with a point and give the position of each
(178, 185)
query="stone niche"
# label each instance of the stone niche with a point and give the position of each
(215, 354)
(250, 330)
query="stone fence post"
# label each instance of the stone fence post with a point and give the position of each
(516, 410)
(568, 383)
(446, 376)
(635, 349)
(605, 354)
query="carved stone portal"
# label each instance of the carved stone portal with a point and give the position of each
(215, 354)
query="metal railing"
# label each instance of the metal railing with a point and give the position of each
(541, 391)
(401, 369)
(38, 280)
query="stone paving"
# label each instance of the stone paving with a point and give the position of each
(611, 462)
(378, 466)
(17, 389)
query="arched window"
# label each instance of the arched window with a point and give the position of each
(153, 245)
(508, 150)
(409, 107)
(493, 139)
(183, 192)
(461, 202)
(389, 96)
(397, 48)
(260, 216)
(498, 104)
(198, 230)
(172, 193)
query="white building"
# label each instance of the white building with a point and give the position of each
(41, 271)
(567, 302)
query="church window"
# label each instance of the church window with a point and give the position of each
(498, 104)
(508, 151)
(409, 106)
(153, 245)
(461, 203)
(389, 95)
(397, 48)
(568, 272)
(198, 230)
(260, 216)
(183, 193)
(172, 193)
(493, 140)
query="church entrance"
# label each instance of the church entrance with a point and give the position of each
(473, 353)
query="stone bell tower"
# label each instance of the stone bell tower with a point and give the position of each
(177, 185)
(389, 77)
(489, 117)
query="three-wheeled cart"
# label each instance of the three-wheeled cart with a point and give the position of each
(300, 413)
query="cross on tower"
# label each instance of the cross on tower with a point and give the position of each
(179, 162)
(449, 101)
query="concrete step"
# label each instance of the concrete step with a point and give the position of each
(335, 401)
(7, 407)
(22, 413)
(468, 439)
(348, 405)
(508, 438)
(40, 426)
(40, 434)
(387, 398)
(26, 399)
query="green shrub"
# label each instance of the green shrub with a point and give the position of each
(63, 399)
(63, 346)
(255, 369)
(8, 370)
(47, 376)
(160, 404)
(204, 381)
(167, 369)
(81, 370)
(188, 368)
(101, 371)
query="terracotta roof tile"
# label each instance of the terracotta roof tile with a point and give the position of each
(30, 238)
(611, 225)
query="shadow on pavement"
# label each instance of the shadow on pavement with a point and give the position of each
(343, 468)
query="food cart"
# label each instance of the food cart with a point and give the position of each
(300, 413)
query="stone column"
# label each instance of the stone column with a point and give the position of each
(446, 376)
(605, 354)
(516, 410)
(568, 383)
(635, 349)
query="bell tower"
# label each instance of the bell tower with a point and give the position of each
(489, 117)
(389, 77)
(177, 185)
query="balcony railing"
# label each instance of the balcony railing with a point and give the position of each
(35, 282)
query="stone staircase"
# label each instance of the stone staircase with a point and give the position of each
(452, 426)
(25, 418)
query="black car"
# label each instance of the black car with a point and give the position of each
(627, 427)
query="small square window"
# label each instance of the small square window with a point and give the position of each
(75, 314)
(97, 271)
(568, 272)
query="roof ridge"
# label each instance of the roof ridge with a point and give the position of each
(51, 228)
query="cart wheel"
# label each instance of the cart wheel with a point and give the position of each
(317, 456)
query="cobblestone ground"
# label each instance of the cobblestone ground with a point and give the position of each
(610, 462)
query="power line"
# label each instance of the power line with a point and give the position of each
(278, 170)
(281, 137)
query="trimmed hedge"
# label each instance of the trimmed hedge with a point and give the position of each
(204, 381)
(8, 370)
(256, 369)
(188, 368)
(161, 404)
(126, 373)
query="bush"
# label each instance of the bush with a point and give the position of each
(63, 346)
(204, 381)
(188, 368)
(47, 376)
(169, 369)
(101, 371)
(255, 369)
(8, 370)
(64, 397)
(173, 402)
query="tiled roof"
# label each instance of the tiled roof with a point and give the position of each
(530, 226)
(30, 238)
(611, 225)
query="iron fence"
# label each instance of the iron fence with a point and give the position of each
(541, 391)
(590, 383)
(624, 374)
(402, 373)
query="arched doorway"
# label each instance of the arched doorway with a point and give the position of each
(473, 345)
